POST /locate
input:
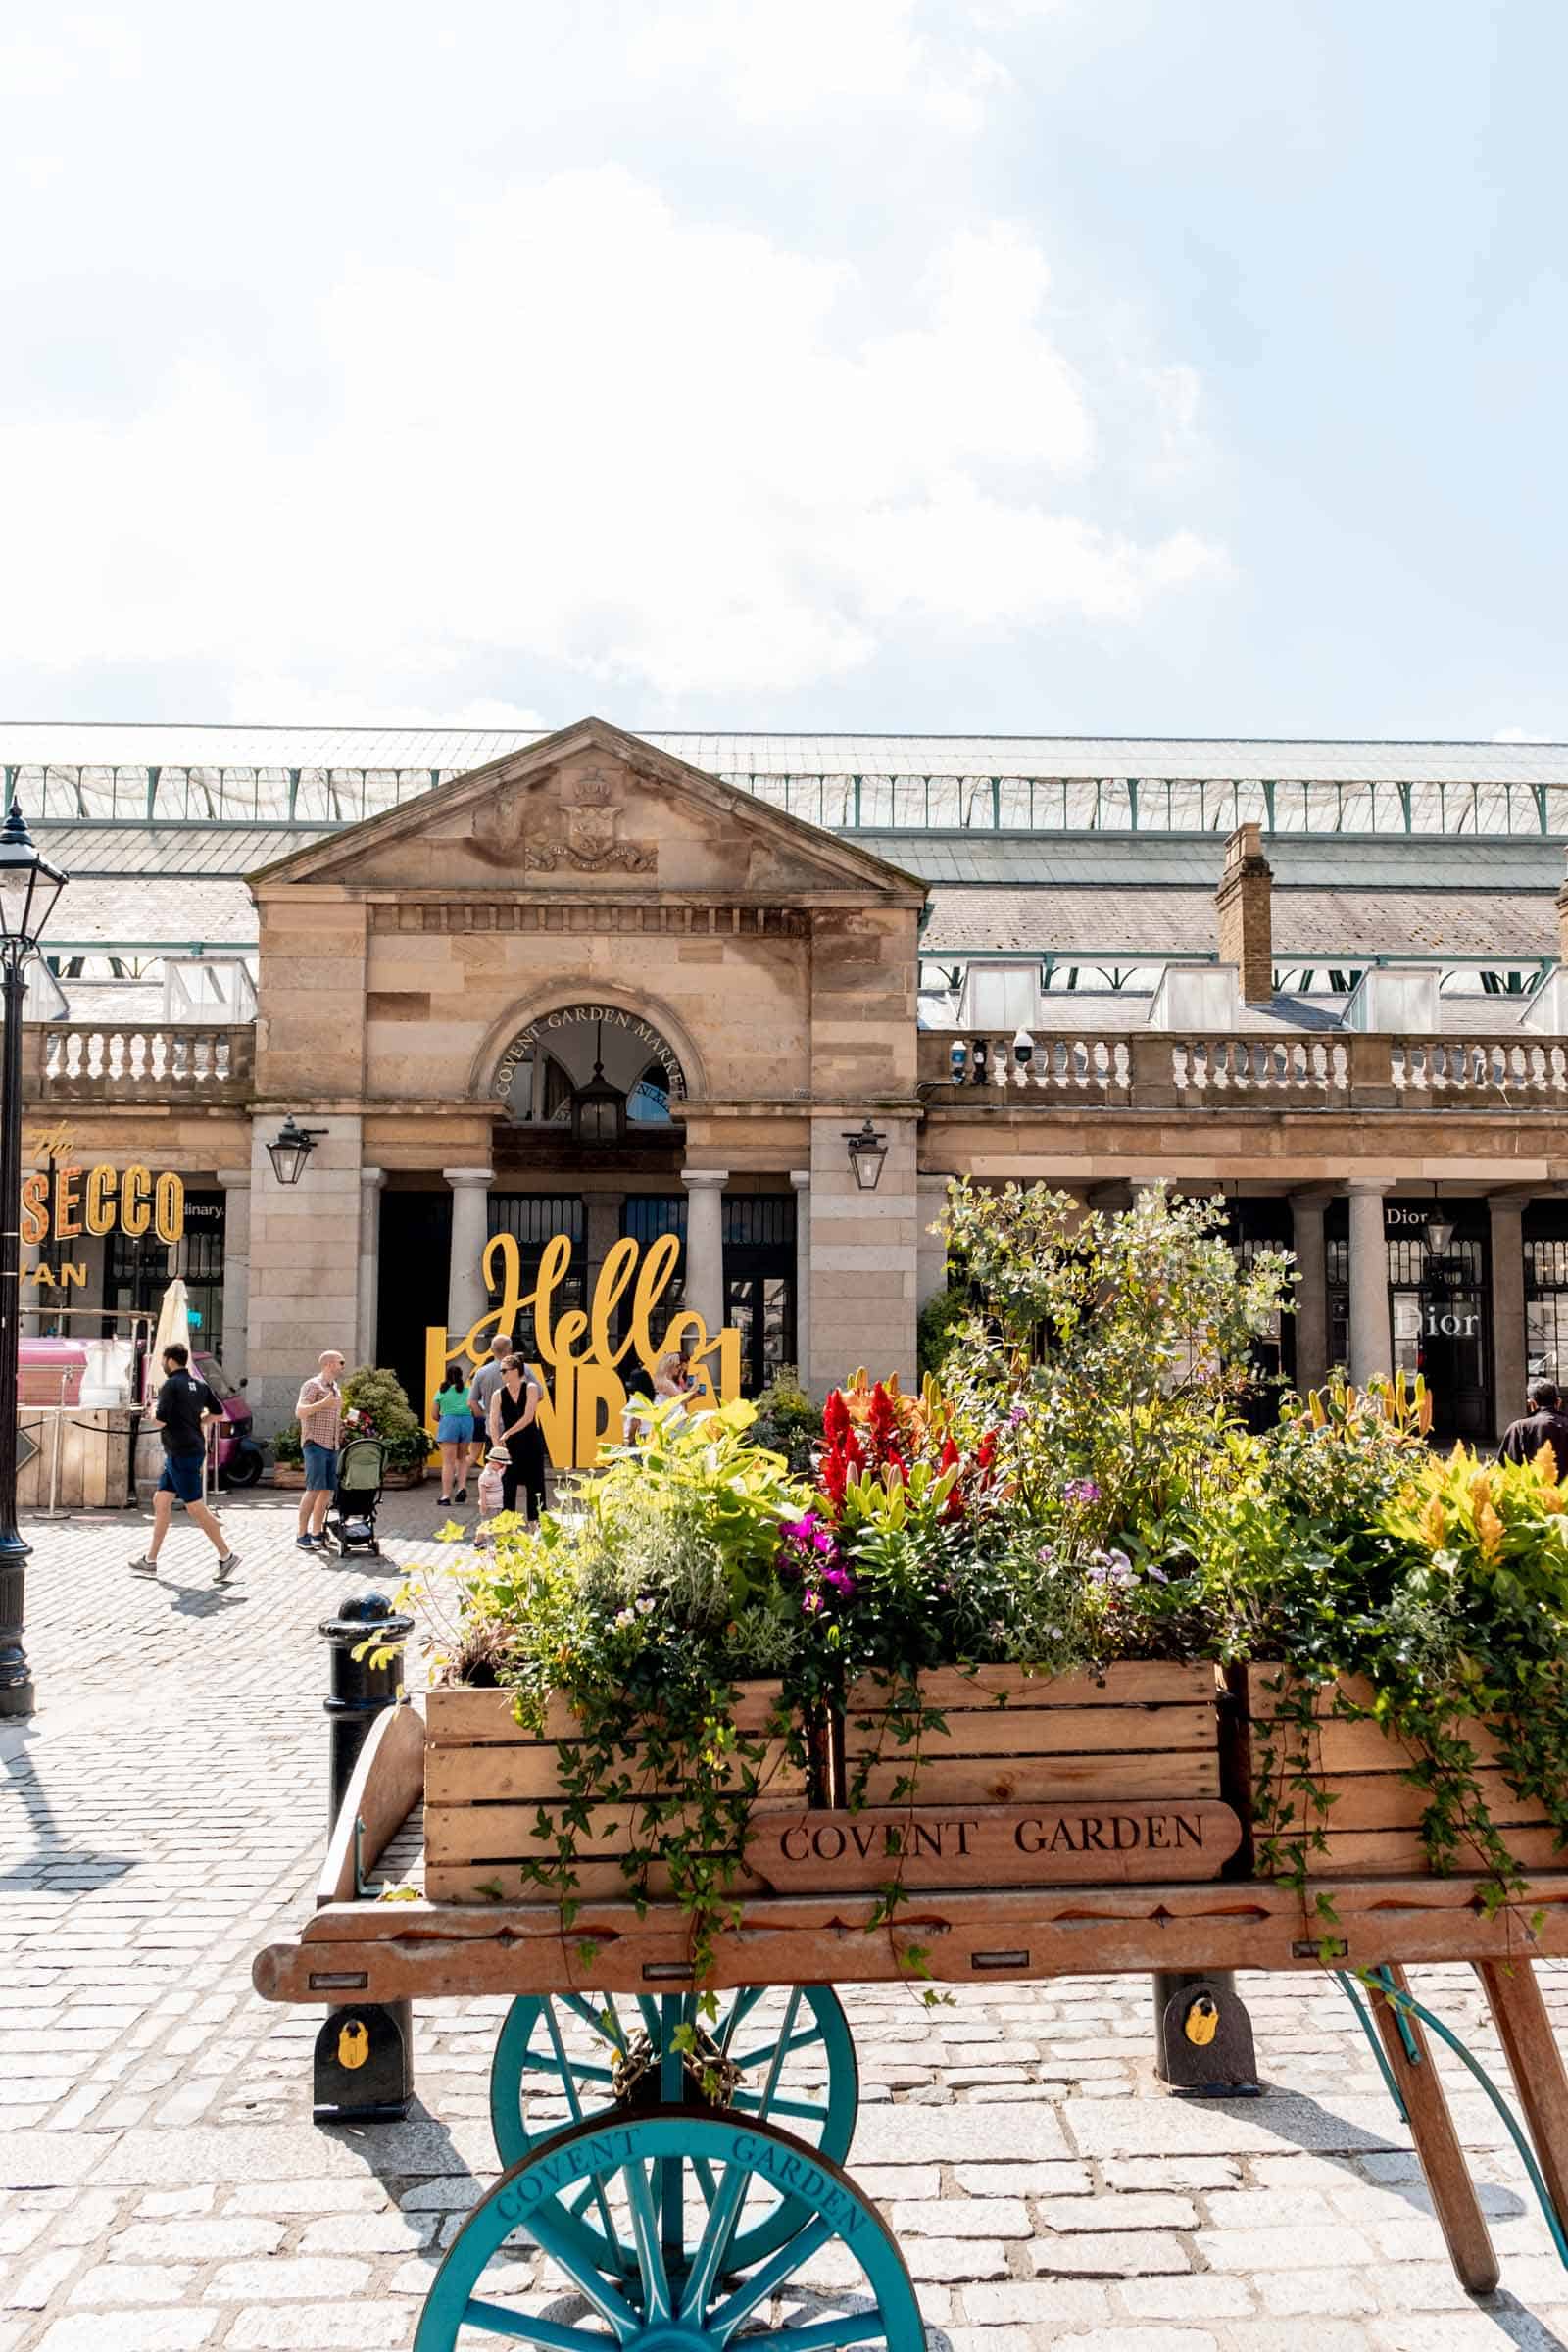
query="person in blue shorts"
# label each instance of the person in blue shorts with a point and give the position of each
(320, 1413)
(454, 1434)
(185, 1407)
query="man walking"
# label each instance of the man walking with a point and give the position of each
(481, 1392)
(1545, 1424)
(184, 1409)
(320, 1413)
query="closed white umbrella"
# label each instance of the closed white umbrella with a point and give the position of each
(173, 1329)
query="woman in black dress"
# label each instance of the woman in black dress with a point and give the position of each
(515, 1424)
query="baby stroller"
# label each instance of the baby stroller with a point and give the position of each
(350, 1519)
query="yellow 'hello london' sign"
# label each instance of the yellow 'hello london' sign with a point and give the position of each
(582, 1369)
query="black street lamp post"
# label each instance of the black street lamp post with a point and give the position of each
(28, 888)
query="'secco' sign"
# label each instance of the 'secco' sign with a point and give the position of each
(59, 1203)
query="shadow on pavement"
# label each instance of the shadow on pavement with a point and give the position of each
(23, 1783)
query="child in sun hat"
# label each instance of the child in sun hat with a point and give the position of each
(491, 1489)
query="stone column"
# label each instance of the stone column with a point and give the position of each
(1371, 1333)
(236, 1184)
(1311, 1289)
(864, 1245)
(471, 1230)
(1509, 1353)
(704, 1242)
(367, 1314)
(801, 1179)
(305, 1262)
(930, 1249)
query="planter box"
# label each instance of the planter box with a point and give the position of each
(290, 1474)
(1373, 1827)
(489, 1786)
(1032, 1782)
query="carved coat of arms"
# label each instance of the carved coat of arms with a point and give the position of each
(589, 840)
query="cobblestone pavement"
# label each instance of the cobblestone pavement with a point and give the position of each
(164, 2187)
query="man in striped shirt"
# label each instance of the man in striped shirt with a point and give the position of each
(320, 1412)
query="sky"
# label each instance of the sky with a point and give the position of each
(1116, 366)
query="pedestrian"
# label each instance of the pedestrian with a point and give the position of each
(454, 1434)
(320, 1413)
(668, 1383)
(184, 1410)
(1545, 1424)
(492, 1492)
(481, 1388)
(515, 1424)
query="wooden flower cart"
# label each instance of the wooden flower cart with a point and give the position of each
(684, 2177)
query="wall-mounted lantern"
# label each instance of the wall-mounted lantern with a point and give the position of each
(292, 1149)
(869, 1149)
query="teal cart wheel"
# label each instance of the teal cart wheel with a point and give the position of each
(678, 2284)
(783, 2053)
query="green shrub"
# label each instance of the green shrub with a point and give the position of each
(376, 1405)
(288, 1448)
(940, 1319)
(789, 1422)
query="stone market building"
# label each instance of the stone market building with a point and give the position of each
(607, 985)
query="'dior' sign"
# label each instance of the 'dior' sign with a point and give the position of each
(1123, 1840)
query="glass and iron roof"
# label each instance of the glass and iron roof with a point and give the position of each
(308, 777)
(1048, 845)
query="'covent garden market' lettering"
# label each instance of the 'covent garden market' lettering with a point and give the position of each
(581, 1016)
(586, 1373)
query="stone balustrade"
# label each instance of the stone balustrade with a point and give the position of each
(1158, 1069)
(87, 1061)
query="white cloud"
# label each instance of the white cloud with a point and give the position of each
(273, 700)
(661, 453)
(78, 48)
(771, 63)
(1518, 735)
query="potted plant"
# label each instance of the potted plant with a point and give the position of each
(375, 1405)
(288, 1457)
(1026, 1623)
(1064, 1618)
(625, 1719)
(1404, 1619)
(789, 1422)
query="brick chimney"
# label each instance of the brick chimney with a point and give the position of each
(1246, 921)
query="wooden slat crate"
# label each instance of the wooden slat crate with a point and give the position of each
(1373, 1828)
(1061, 1780)
(487, 1781)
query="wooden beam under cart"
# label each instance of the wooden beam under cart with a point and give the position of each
(440, 1952)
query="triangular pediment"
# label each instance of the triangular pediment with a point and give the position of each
(595, 812)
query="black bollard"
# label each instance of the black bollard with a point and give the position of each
(363, 2068)
(1203, 2034)
(361, 1688)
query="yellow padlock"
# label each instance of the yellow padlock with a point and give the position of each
(1201, 2022)
(352, 2045)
